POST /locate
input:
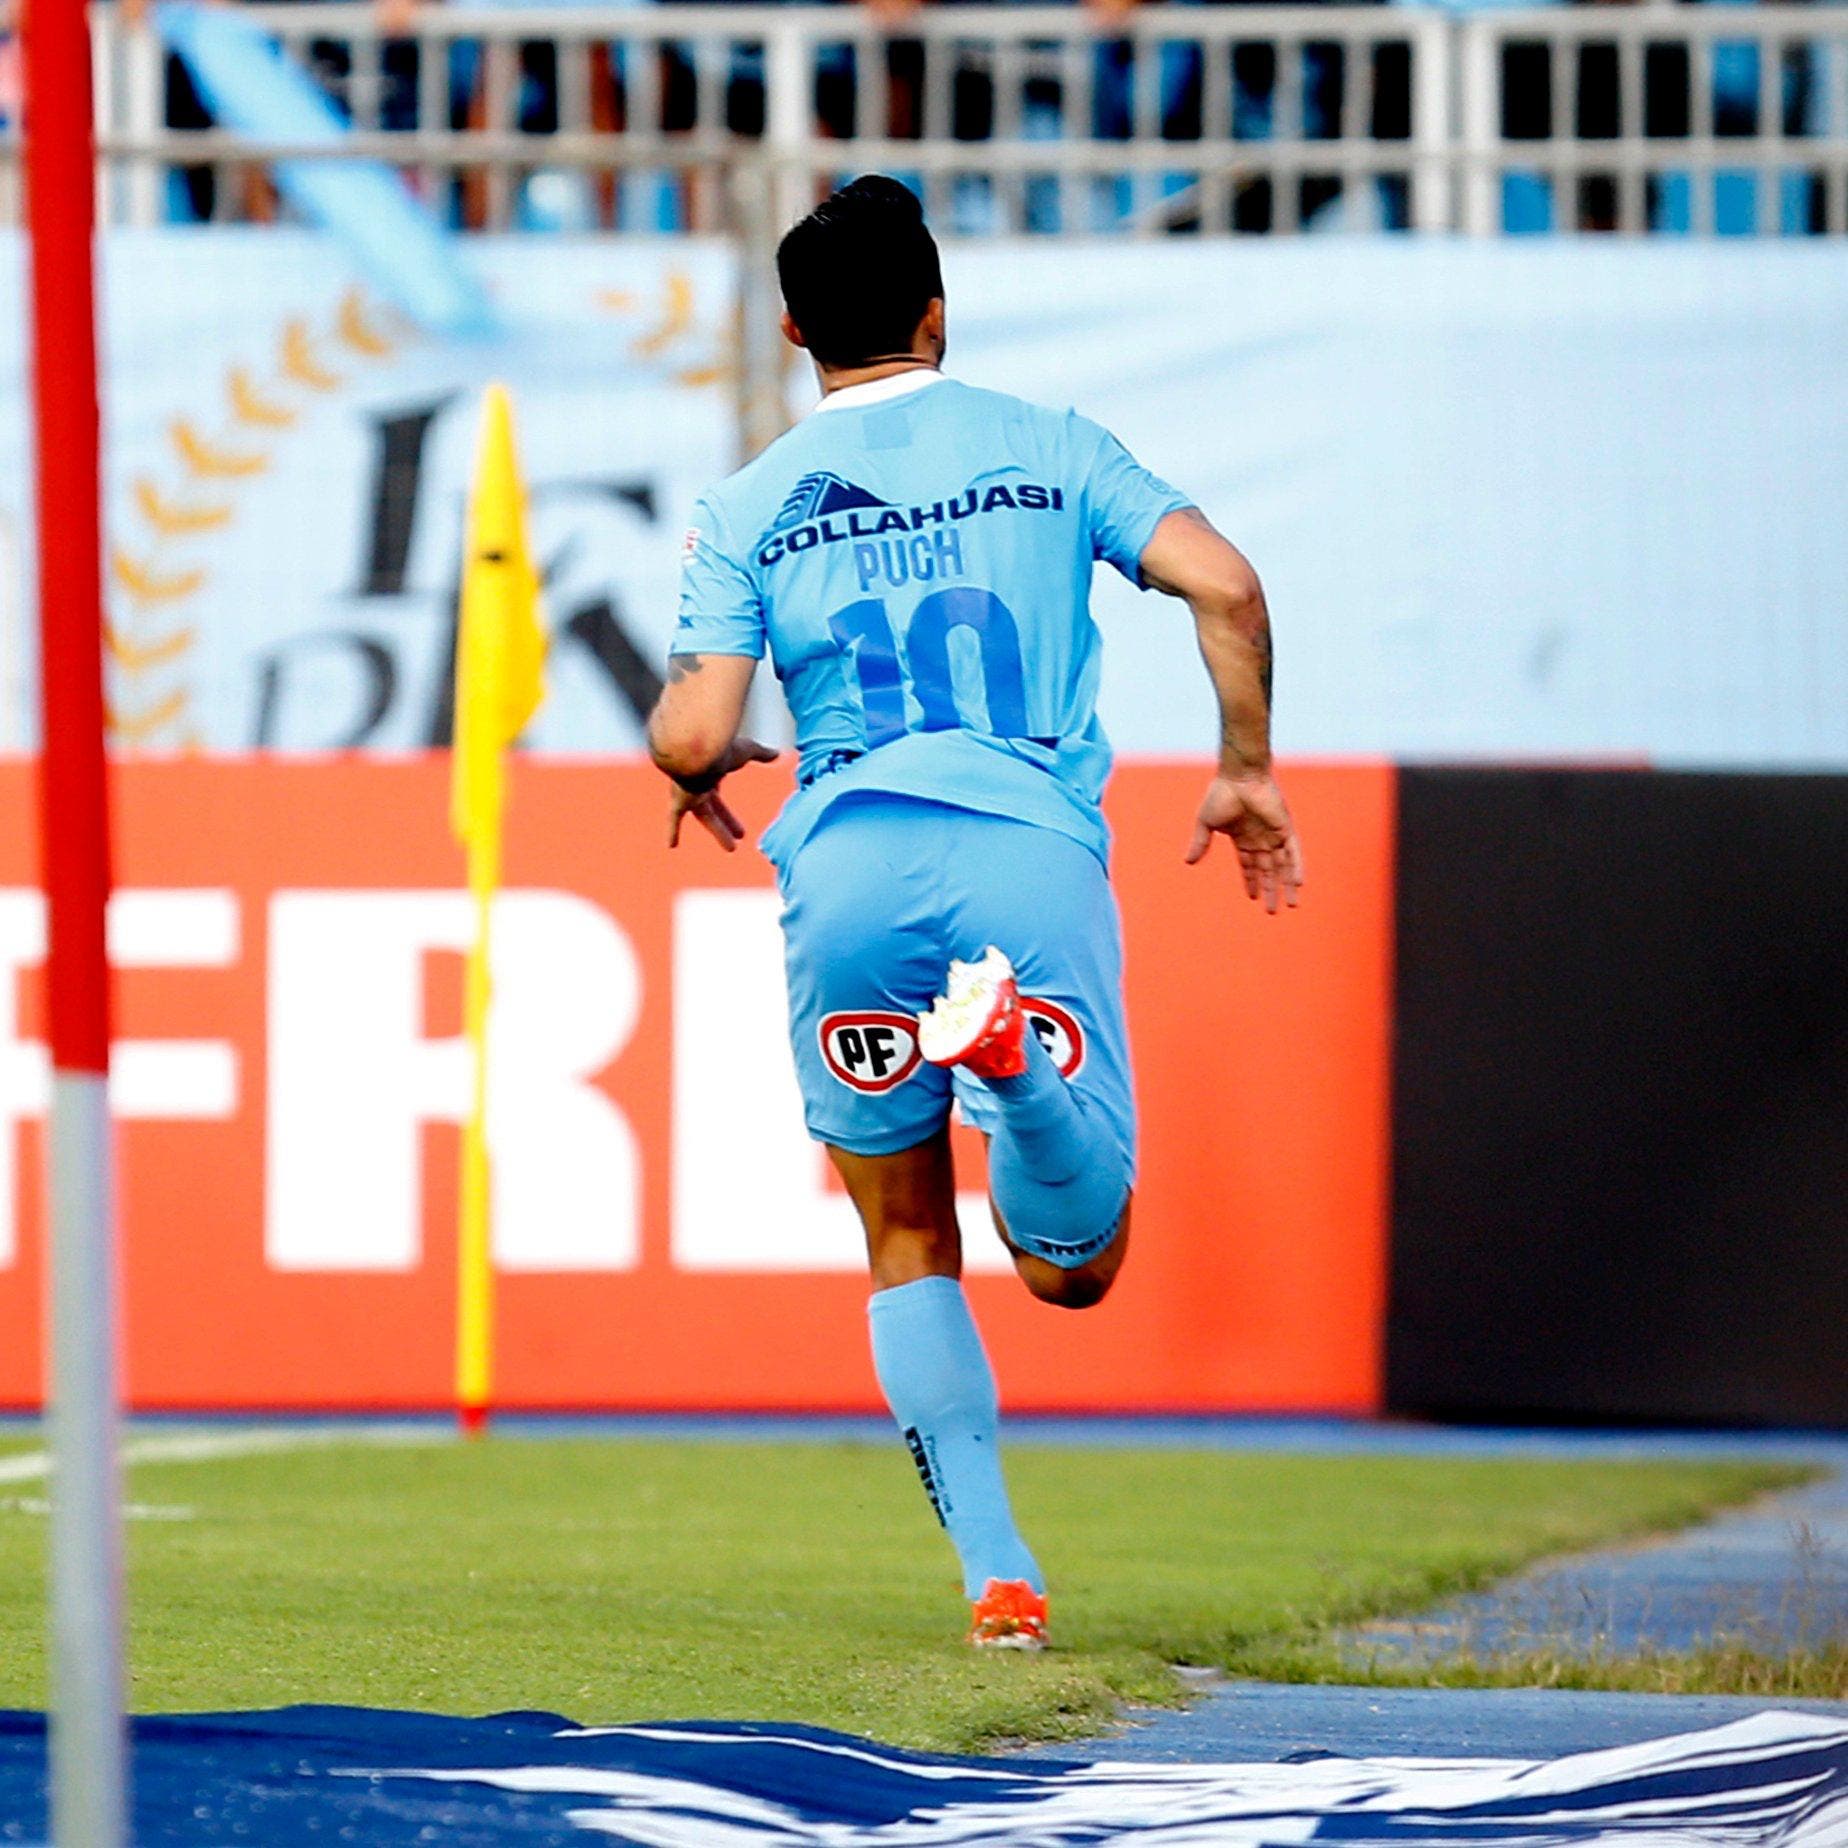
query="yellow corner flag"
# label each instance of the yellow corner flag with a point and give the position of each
(500, 680)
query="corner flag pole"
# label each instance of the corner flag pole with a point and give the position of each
(500, 680)
(88, 1782)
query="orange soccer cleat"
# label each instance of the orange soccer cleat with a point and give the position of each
(977, 1021)
(1009, 1614)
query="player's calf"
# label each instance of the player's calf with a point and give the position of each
(1081, 1287)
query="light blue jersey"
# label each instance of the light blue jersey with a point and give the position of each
(916, 556)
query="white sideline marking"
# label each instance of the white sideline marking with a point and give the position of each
(131, 1511)
(207, 1446)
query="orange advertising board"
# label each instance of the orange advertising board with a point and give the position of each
(288, 1079)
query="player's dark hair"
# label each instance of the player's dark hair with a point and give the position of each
(859, 271)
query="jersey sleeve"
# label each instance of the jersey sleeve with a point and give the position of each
(1124, 503)
(720, 610)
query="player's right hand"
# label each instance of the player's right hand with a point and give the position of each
(708, 807)
(1251, 812)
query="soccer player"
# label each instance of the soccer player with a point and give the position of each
(916, 556)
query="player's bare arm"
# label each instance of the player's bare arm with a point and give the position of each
(693, 739)
(1186, 558)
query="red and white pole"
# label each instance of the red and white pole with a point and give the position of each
(89, 1756)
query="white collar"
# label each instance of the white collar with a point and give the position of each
(877, 391)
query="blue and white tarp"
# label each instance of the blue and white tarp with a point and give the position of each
(319, 1774)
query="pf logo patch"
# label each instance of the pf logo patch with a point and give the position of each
(1057, 1031)
(871, 1050)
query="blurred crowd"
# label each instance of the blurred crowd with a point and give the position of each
(399, 95)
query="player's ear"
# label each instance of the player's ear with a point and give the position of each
(933, 326)
(791, 332)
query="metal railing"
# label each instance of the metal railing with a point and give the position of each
(1035, 119)
(1684, 118)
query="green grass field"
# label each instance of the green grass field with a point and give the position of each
(646, 1579)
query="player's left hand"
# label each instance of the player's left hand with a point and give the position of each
(1251, 812)
(708, 807)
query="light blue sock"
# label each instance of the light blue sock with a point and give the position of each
(1058, 1174)
(937, 1380)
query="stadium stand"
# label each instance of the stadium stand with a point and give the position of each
(1048, 120)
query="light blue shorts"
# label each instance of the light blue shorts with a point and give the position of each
(878, 899)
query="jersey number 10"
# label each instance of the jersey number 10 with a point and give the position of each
(864, 630)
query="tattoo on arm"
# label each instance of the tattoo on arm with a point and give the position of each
(1261, 642)
(679, 666)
